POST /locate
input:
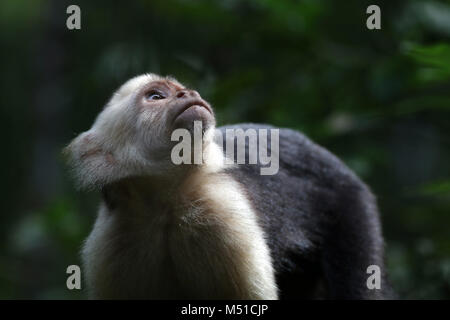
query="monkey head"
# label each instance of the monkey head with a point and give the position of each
(132, 135)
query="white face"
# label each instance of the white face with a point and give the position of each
(131, 136)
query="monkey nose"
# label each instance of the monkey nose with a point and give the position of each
(187, 94)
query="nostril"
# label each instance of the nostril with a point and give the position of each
(181, 94)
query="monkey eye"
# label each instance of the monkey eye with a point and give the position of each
(154, 95)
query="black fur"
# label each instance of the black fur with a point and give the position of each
(321, 221)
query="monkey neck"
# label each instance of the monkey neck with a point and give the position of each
(164, 191)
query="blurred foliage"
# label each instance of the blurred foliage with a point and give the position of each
(378, 99)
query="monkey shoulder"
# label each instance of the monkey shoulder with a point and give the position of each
(301, 203)
(302, 163)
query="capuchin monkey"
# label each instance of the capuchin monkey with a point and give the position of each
(216, 230)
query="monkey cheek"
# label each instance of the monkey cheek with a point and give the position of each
(195, 113)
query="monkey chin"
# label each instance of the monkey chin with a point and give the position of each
(186, 119)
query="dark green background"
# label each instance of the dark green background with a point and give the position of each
(378, 99)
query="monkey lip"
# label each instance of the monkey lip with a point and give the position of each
(192, 103)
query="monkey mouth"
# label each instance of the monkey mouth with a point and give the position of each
(187, 112)
(190, 111)
(193, 103)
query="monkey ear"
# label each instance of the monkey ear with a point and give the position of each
(92, 165)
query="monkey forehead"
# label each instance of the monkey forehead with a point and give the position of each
(136, 83)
